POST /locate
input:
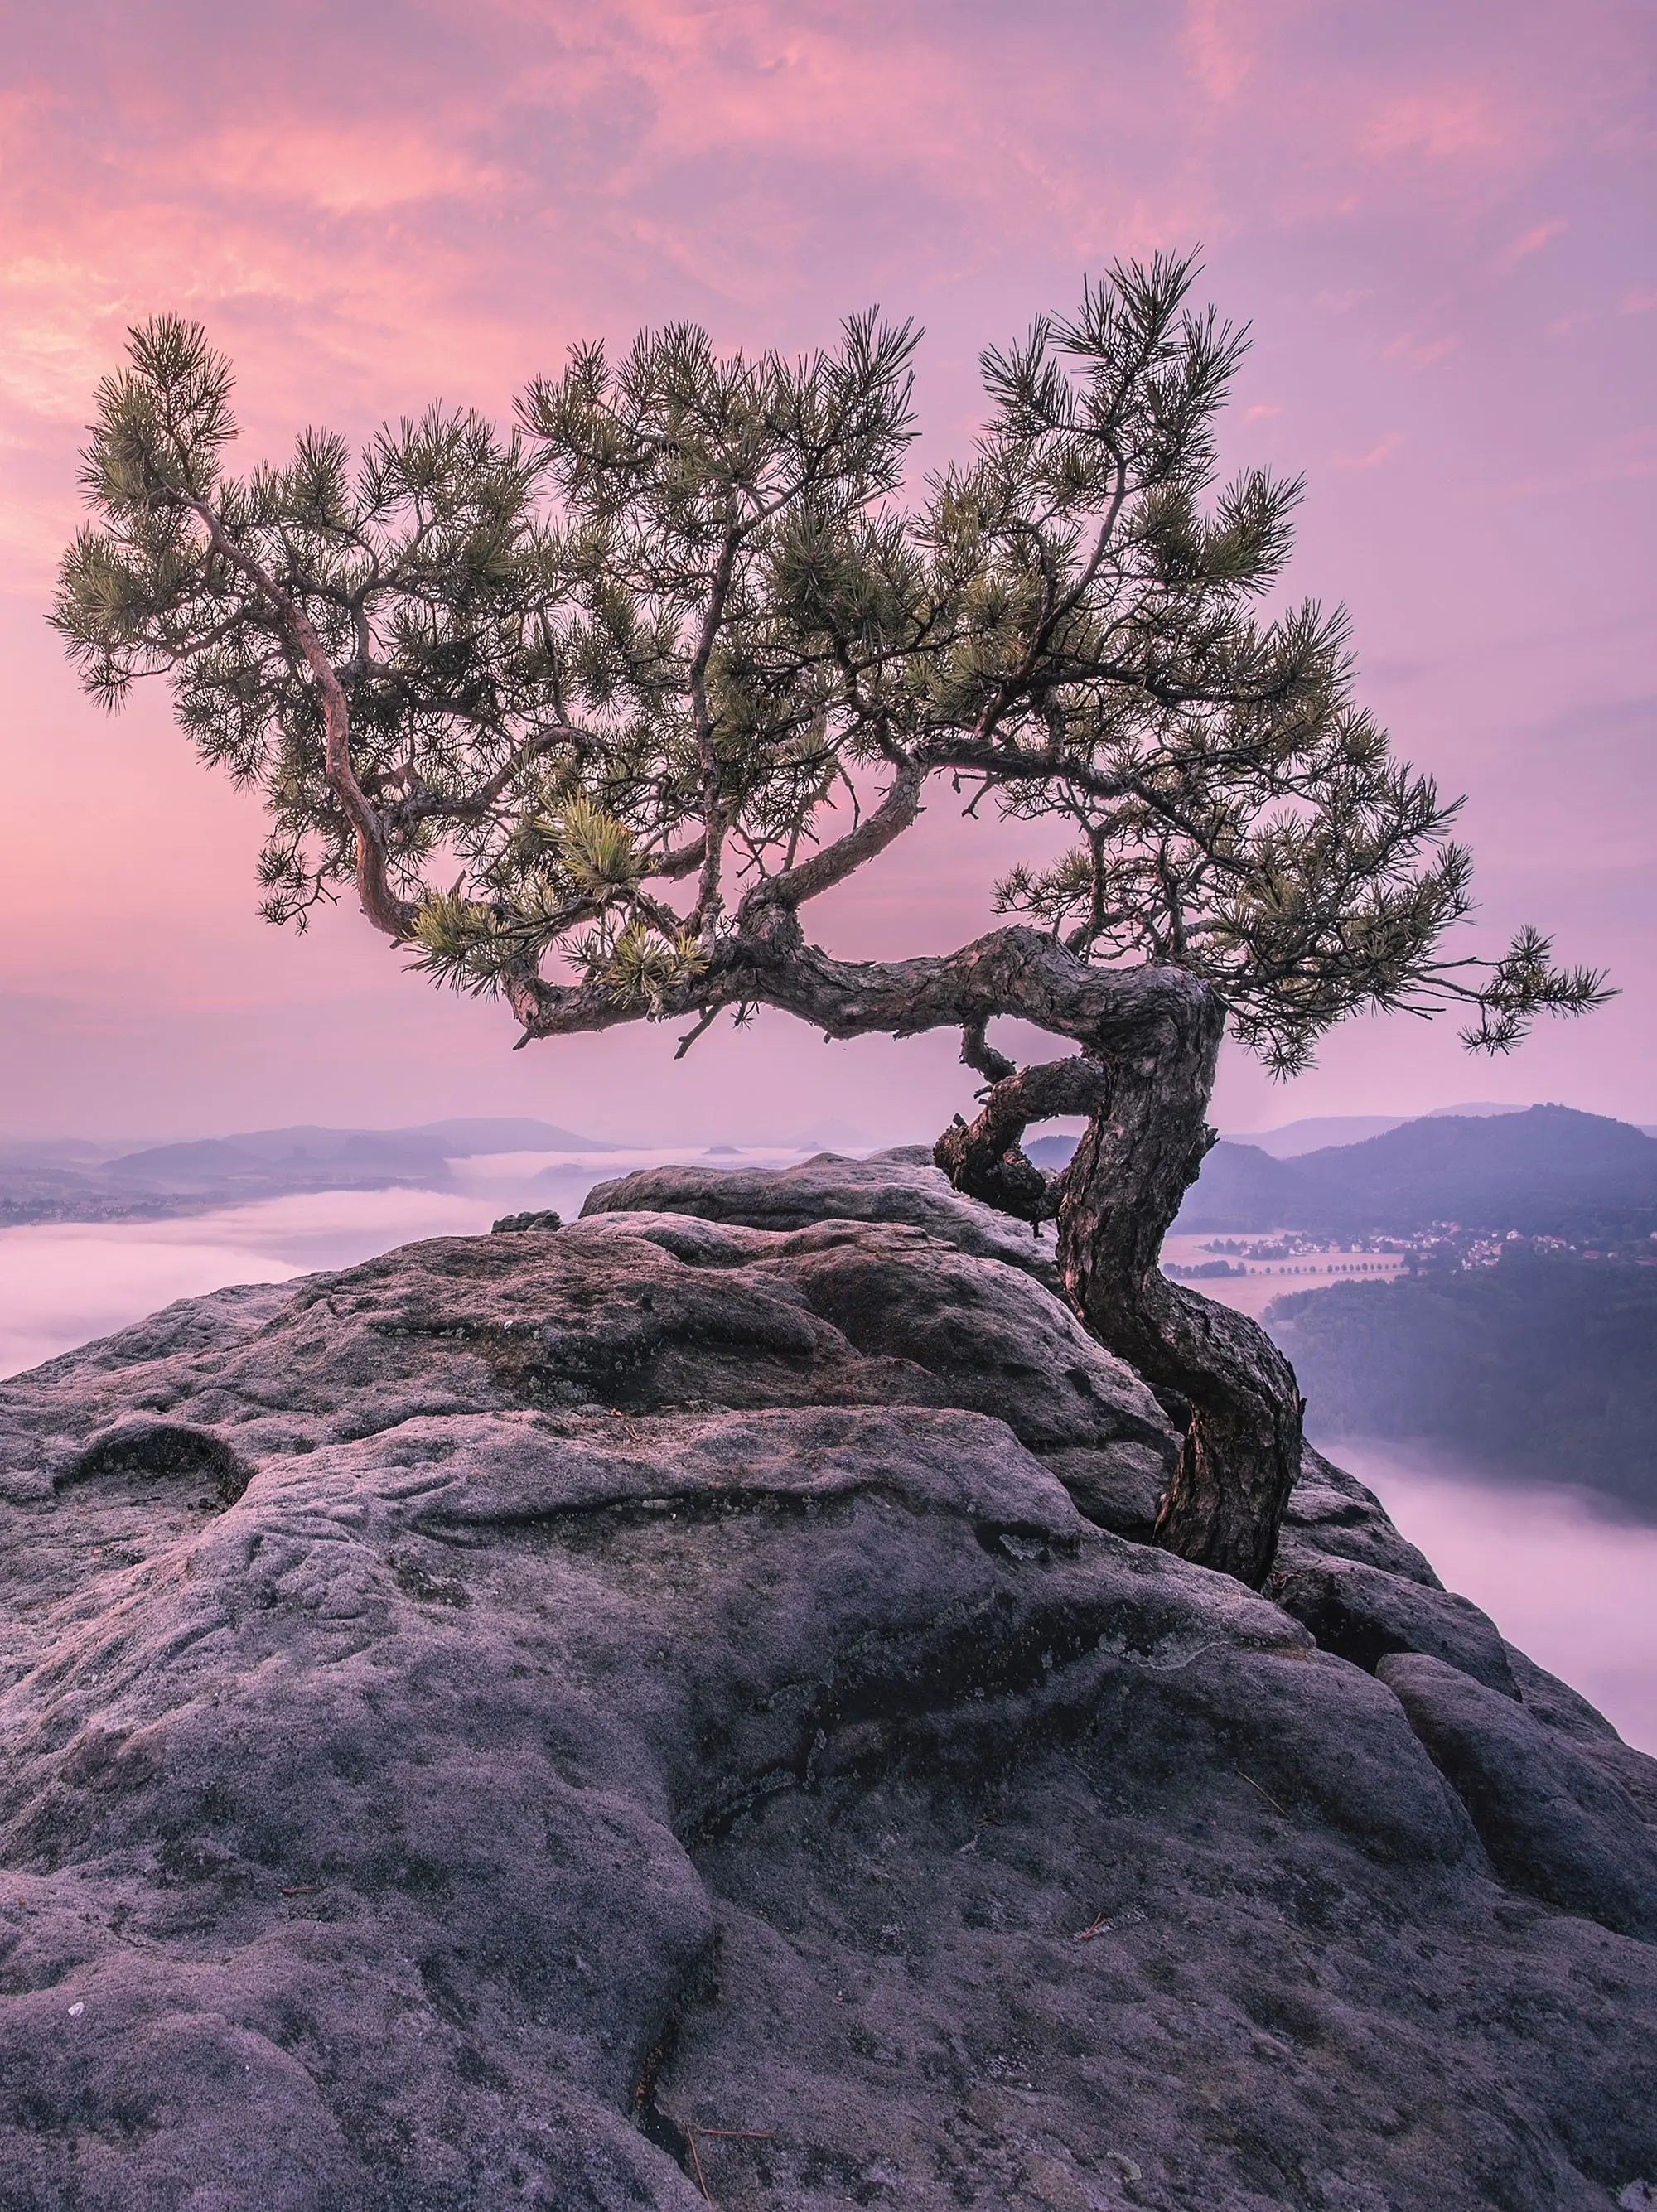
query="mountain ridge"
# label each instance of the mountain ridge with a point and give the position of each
(1548, 1170)
(458, 1138)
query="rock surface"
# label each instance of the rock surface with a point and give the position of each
(901, 1185)
(670, 1711)
(1554, 1822)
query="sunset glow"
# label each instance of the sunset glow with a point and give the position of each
(1436, 219)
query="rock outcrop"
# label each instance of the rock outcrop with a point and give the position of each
(899, 1186)
(674, 1711)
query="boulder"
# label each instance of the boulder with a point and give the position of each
(1561, 1707)
(1364, 1613)
(1554, 1822)
(655, 1712)
(899, 1185)
(1332, 1515)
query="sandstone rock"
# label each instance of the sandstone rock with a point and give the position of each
(1563, 1707)
(1332, 1513)
(1554, 1822)
(562, 1719)
(901, 1185)
(1363, 1614)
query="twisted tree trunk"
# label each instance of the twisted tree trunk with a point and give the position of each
(1150, 1037)
(1146, 1100)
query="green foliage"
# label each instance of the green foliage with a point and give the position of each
(640, 963)
(671, 629)
(1523, 983)
(597, 850)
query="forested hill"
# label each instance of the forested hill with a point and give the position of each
(1544, 1365)
(1548, 1172)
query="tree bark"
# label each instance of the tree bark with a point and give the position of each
(1137, 1157)
(1146, 1136)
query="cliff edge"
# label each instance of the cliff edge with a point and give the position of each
(678, 1710)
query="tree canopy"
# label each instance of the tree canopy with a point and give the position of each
(587, 708)
(588, 711)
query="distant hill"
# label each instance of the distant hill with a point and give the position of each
(830, 1136)
(25, 1153)
(1243, 1187)
(1051, 1152)
(1544, 1172)
(1313, 1133)
(1316, 1132)
(294, 1158)
(307, 1145)
(1545, 1365)
(1319, 1131)
(257, 1164)
(1549, 1171)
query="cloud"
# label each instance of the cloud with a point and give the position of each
(372, 204)
(1342, 301)
(63, 1286)
(1216, 48)
(1628, 457)
(1528, 242)
(1420, 353)
(347, 167)
(1374, 458)
(1443, 124)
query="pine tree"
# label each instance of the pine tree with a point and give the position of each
(587, 712)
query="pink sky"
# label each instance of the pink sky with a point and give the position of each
(1438, 218)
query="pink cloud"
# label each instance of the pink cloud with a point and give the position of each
(1216, 47)
(368, 205)
(1443, 124)
(1630, 458)
(1528, 242)
(1420, 353)
(1382, 450)
(347, 167)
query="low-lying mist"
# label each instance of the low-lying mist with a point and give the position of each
(1564, 1577)
(65, 1283)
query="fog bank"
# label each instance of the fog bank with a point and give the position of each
(66, 1283)
(1562, 1576)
